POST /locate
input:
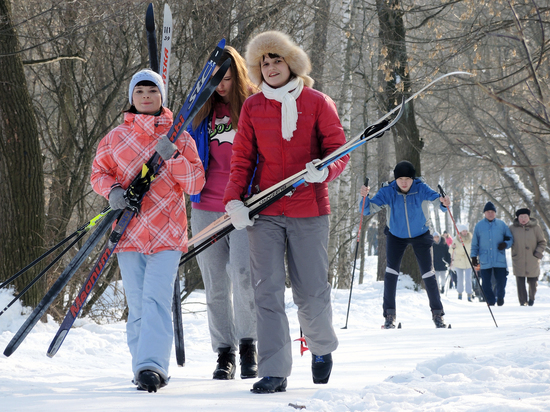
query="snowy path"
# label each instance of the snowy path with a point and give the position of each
(472, 367)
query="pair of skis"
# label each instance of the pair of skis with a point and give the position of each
(200, 93)
(258, 202)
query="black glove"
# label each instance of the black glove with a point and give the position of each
(502, 245)
(475, 262)
(538, 255)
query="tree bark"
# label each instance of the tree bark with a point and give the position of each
(408, 143)
(21, 175)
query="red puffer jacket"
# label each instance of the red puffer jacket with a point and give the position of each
(259, 139)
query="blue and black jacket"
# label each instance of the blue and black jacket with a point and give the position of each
(407, 214)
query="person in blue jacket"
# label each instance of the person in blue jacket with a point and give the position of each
(491, 239)
(406, 202)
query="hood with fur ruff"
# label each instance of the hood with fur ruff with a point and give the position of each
(279, 43)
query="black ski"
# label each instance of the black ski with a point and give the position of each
(152, 38)
(136, 190)
(61, 282)
(398, 326)
(179, 343)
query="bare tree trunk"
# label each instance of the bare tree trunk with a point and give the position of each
(408, 144)
(21, 175)
(318, 51)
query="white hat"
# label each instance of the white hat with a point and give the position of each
(461, 228)
(151, 76)
(435, 234)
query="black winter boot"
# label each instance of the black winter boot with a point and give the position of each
(437, 316)
(149, 381)
(249, 359)
(321, 367)
(225, 369)
(390, 319)
(269, 384)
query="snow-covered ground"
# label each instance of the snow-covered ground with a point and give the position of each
(474, 366)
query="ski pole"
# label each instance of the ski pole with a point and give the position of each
(442, 192)
(37, 278)
(356, 249)
(80, 231)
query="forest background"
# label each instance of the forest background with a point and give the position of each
(65, 68)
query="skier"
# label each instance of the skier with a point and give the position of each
(149, 251)
(442, 258)
(225, 266)
(490, 240)
(284, 129)
(408, 220)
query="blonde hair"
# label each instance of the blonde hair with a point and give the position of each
(241, 89)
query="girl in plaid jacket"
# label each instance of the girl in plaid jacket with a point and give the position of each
(150, 249)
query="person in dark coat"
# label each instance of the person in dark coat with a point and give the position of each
(442, 259)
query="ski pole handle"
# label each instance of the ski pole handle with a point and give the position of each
(366, 182)
(441, 191)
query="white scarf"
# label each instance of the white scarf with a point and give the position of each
(287, 95)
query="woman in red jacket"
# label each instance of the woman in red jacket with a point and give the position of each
(282, 130)
(149, 251)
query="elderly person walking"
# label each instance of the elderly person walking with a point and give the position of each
(529, 243)
(489, 243)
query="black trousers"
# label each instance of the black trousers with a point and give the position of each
(395, 249)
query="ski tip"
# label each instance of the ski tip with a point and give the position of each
(166, 8)
(150, 18)
(8, 351)
(221, 44)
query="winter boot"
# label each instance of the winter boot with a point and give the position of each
(530, 303)
(225, 369)
(470, 296)
(460, 296)
(269, 384)
(442, 289)
(390, 319)
(321, 367)
(149, 381)
(500, 301)
(437, 316)
(249, 359)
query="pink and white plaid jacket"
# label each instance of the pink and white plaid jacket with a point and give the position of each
(162, 221)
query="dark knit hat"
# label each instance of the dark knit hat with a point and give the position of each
(404, 169)
(489, 206)
(523, 211)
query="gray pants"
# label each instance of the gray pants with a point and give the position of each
(440, 276)
(464, 277)
(225, 268)
(305, 242)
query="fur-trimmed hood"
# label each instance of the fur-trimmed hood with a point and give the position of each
(279, 43)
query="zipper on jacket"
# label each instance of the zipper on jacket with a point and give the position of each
(407, 215)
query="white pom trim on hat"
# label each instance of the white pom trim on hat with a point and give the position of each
(151, 76)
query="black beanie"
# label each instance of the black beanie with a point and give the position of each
(489, 206)
(523, 211)
(404, 169)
